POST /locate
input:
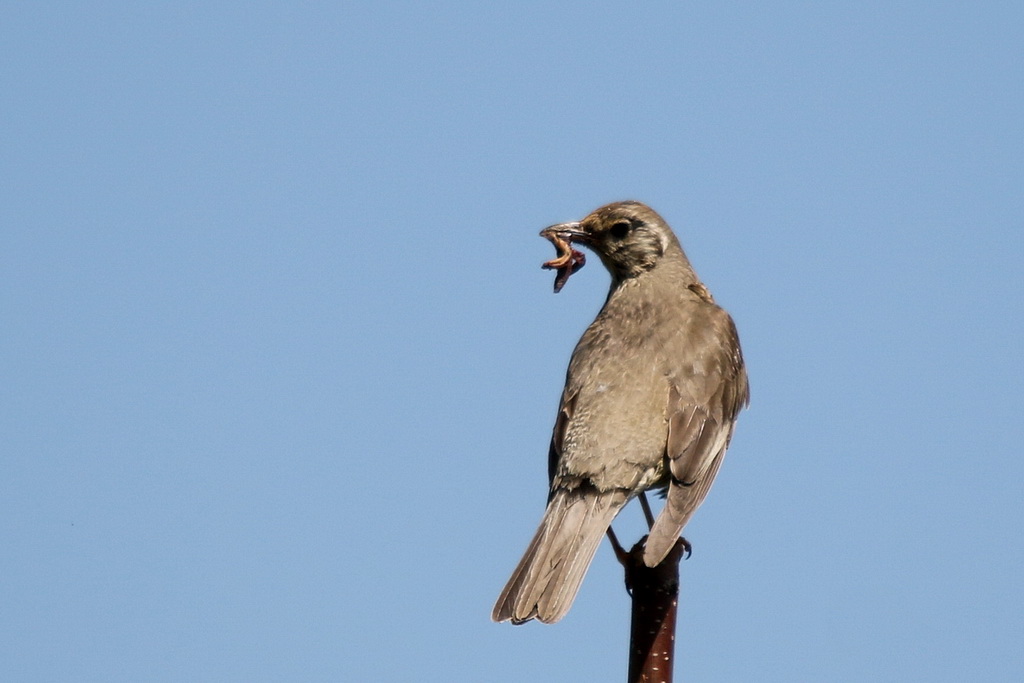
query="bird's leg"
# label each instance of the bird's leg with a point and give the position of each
(620, 553)
(622, 556)
(647, 509)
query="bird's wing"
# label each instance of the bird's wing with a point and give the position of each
(703, 404)
(565, 411)
(695, 438)
(701, 412)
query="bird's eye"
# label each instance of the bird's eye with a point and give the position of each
(620, 229)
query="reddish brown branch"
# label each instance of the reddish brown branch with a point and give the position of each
(655, 593)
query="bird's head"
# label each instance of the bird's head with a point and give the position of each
(629, 237)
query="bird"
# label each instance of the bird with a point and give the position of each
(651, 397)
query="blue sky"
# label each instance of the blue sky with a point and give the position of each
(280, 362)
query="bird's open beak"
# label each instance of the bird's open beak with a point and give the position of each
(570, 232)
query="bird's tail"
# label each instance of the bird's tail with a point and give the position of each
(544, 584)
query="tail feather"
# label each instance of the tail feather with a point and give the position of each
(544, 584)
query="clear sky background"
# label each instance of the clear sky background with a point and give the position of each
(280, 365)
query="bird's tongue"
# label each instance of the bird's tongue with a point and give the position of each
(567, 261)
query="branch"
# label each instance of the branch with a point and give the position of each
(655, 593)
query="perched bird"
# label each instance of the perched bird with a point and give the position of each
(650, 401)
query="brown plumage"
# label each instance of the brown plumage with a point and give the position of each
(650, 400)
